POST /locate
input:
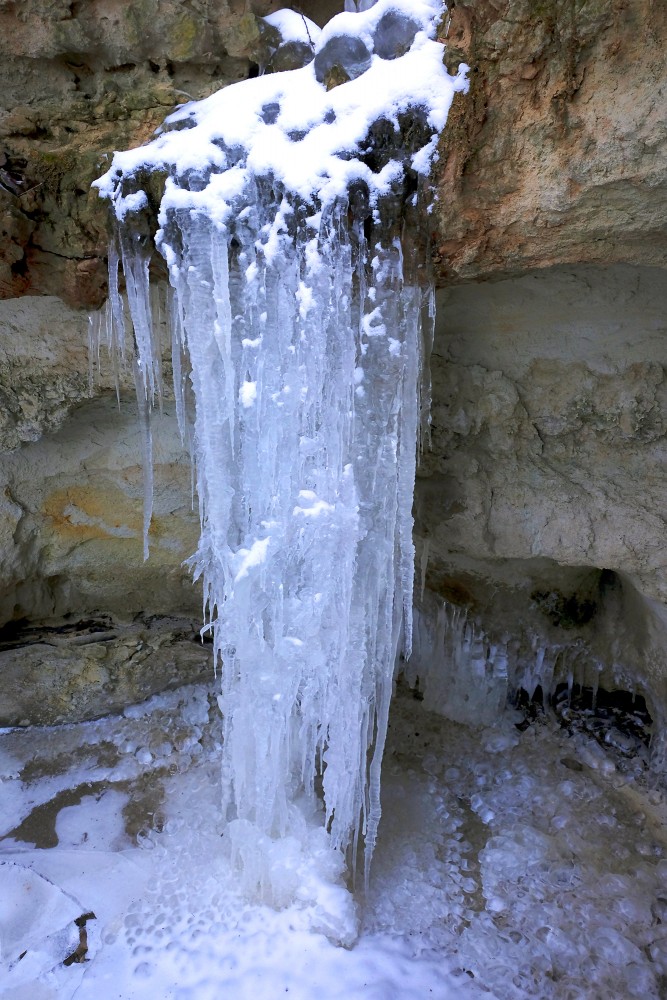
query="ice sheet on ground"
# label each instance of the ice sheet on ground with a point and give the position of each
(501, 870)
(37, 929)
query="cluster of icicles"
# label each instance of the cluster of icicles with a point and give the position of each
(299, 331)
(468, 676)
(305, 461)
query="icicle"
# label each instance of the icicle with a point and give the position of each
(423, 567)
(570, 676)
(93, 349)
(116, 326)
(143, 406)
(459, 672)
(549, 672)
(501, 662)
(595, 688)
(428, 333)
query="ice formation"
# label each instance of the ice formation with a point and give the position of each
(299, 301)
(459, 672)
(469, 676)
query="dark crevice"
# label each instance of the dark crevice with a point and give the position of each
(19, 268)
(81, 950)
(600, 713)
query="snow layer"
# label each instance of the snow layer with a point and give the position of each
(297, 307)
(294, 27)
(292, 129)
(511, 864)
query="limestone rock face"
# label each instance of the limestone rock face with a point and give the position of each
(541, 504)
(79, 670)
(71, 520)
(77, 81)
(43, 367)
(559, 152)
(70, 548)
(538, 381)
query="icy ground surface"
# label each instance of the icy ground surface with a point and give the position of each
(510, 864)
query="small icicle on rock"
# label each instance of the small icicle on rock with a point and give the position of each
(292, 224)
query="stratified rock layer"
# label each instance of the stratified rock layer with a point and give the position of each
(79, 80)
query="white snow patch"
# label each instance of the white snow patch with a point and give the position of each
(311, 146)
(248, 394)
(294, 27)
(249, 558)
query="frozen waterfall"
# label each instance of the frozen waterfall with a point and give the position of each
(292, 216)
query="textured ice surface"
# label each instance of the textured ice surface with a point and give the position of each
(511, 863)
(459, 673)
(394, 34)
(345, 51)
(469, 677)
(37, 929)
(301, 315)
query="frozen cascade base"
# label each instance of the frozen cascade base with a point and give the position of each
(509, 864)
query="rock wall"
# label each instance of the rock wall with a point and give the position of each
(541, 505)
(559, 152)
(540, 508)
(78, 80)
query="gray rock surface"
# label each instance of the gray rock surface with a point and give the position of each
(71, 671)
(71, 520)
(343, 55)
(77, 81)
(547, 473)
(43, 367)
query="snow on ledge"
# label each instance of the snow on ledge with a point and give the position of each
(289, 127)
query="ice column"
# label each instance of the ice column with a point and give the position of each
(302, 307)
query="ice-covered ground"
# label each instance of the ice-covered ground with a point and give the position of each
(510, 864)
